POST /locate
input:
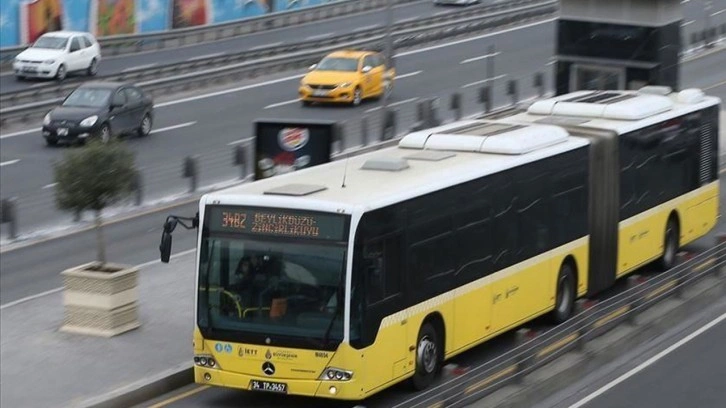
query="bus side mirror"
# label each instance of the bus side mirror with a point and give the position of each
(165, 246)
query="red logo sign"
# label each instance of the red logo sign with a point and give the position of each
(292, 139)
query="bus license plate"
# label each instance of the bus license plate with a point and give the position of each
(256, 385)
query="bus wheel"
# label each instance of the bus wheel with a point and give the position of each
(565, 294)
(427, 357)
(670, 245)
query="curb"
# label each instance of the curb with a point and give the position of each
(144, 390)
(568, 368)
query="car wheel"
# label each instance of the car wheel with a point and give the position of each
(51, 142)
(428, 357)
(104, 134)
(92, 68)
(357, 97)
(20, 77)
(565, 296)
(145, 126)
(61, 73)
(306, 103)
(670, 245)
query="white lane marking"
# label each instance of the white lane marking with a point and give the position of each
(410, 74)
(275, 105)
(51, 185)
(718, 12)
(19, 133)
(319, 36)
(181, 125)
(9, 162)
(390, 105)
(551, 63)
(469, 39)
(365, 28)
(481, 57)
(688, 23)
(236, 142)
(38, 84)
(257, 47)
(406, 20)
(438, 13)
(50, 292)
(200, 57)
(228, 91)
(139, 67)
(483, 81)
(715, 85)
(648, 362)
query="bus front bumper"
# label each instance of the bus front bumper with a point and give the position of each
(344, 390)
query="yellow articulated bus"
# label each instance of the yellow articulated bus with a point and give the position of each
(340, 280)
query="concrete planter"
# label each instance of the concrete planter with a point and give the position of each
(100, 302)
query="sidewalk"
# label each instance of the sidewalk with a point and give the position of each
(42, 367)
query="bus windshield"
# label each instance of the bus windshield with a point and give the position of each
(251, 288)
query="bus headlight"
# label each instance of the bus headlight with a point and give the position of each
(336, 374)
(205, 361)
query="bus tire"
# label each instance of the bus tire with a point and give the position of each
(428, 359)
(670, 245)
(566, 293)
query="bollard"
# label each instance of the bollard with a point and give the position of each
(485, 98)
(8, 214)
(136, 185)
(694, 38)
(512, 91)
(456, 105)
(421, 113)
(720, 255)
(389, 124)
(539, 83)
(190, 172)
(432, 106)
(337, 140)
(364, 130)
(240, 160)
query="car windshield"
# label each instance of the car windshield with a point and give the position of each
(338, 64)
(50, 42)
(88, 97)
(251, 287)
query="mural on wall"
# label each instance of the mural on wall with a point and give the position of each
(115, 17)
(188, 13)
(23, 21)
(9, 27)
(76, 15)
(37, 17)
(153, 15)
(229, 10)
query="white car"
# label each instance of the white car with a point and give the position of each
(57, 53)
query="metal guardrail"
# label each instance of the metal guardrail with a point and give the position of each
(134, 43)
(512, 366)
(187, 74)
(49, 90)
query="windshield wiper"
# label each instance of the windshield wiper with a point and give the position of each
(338, 302)
(206, 287)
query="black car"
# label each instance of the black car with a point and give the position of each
(99, 109)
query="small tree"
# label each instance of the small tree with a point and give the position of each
(92, 178)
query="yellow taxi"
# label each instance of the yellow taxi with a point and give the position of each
(347, 76)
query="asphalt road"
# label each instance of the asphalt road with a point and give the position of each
(224, 119)
(313, 31)
(694, 12)
(685, 367)
(210, 126)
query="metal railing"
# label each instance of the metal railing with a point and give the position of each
(33, 211)
(241, 65)
(134, 43)
(512, 366)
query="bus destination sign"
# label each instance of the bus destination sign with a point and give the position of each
(274, 222)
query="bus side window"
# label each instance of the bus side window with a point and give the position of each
(374, 271)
